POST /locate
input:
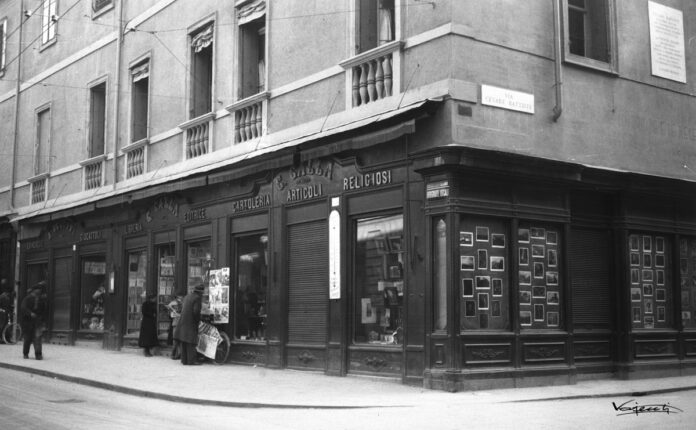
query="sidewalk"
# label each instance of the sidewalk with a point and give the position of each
(247, 386)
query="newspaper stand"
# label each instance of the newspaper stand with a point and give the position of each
(212, 343)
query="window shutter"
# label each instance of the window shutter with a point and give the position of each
(590, 261)
(308, 282)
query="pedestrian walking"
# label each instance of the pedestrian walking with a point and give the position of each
(175, 314)
(33, 310)
(186, 331)
(6, 300)
(148, 326)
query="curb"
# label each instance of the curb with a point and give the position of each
(173, 398)
(599, 396)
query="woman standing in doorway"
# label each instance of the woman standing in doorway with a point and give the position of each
(148, 327)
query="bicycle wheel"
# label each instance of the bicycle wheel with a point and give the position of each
(12, 333)
(223, 349)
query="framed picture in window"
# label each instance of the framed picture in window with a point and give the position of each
(483, 301)
(482, 259)
(538, 251)
(538, 270)
(659, 245)
(636, 294)
(647, 290)
(523, 235)
(466, 238)
(525, 318)
(634, 243)
(495, 308)
(467, 287)
(660, 277)
(660, 314)
(637, 317)
(523, 256)
(648, 321)
(552, 257)
(497, 287)
(537, 233)
(635, 259)
(470, 308)
(483, 282)
(538, 312)
(525, 297)
(538, 291)
(497, 264)
(647, 243)
(635, 276)
(482, 234)
(648, 307)
(647, 275)
(551, 278)
(552, 319)
(466, 263)
(552, 298)
(551, 238)
(497, 240)
(525, 277)
(660, 294)
(647, 260)
(660, 260)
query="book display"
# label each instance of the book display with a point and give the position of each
(484, 280)
(687, 271)
(538, 257)
(137, 269)
(650, 280)
(93, 292)
(165, 287)
(379, 280)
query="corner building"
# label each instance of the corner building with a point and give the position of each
(457, 194)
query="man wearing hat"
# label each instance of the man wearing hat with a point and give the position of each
(186, 331)
(33, 311)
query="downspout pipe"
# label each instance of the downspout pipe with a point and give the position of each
(557, 40)
(117, 89)
(15, 142)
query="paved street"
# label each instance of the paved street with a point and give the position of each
(76, 388)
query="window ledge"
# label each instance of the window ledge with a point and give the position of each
(589, 63)
(196, 121)
(135, 145)
(372, 54)
(48, 44)
(93, 160)
(38, 177)
(97, 13)
(252, 100)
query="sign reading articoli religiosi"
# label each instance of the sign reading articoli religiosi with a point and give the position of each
(319, 178)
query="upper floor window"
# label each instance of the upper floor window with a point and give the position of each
(140, 100)
(252, 49)
(98, 5)
(201, 71)
(589, 32)
(3, 44)
(43, 141)
(376, 24)
(49, 18)
(97, 121)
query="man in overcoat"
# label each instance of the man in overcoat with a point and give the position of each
(33, 310)
(186, 331)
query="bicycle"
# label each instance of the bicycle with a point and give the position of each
(12, 332)
(209, 334)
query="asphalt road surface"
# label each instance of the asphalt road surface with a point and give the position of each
(35, 402)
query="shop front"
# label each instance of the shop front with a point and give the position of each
(547, 274)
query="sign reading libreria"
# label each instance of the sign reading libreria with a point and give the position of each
(667, 42)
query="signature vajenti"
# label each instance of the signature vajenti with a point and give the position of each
(632, 407)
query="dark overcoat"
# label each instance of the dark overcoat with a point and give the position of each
(148, 326)
(187, 329)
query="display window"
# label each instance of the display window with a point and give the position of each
(687, 272)
(650, 280)
(251, 271)
(538, 253)
(93, 284)
(137, 284)
(198, 262)
(166, 290)
(484, 281)
(379, 280)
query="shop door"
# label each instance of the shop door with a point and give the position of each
(137, 275)
(308, 280)
(62, 280)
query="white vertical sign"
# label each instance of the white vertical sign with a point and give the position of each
(667, 42)
(334, 255)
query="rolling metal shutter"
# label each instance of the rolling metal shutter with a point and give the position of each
(308, 278)
(590, 260)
